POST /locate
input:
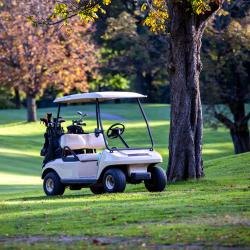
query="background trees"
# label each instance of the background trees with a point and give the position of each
(32, 58)
(24, 51)
(226, 72)
(130, 49)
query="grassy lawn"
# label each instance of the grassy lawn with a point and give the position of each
(213, 212)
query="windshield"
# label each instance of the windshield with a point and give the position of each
(124, 115)
(71, 114)
(124, 125)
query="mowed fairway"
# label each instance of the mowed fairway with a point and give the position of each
(213, 212)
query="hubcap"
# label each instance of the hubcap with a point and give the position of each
(110, 182)
(50, 185)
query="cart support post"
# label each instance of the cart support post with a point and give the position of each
(58, 111)
(146, 120)
(100, 123)
(97, 114)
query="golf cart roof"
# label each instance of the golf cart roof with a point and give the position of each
(101, 96)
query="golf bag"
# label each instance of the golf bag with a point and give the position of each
(51, 149)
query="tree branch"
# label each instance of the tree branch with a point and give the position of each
(246, 118)
(214, 7)
(56, 22)
(83, 5)
(223, 119)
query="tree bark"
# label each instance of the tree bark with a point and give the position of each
(17, 98)
(185, 139)
(240, 131)
(31, 108)
(151, 89)
(140, 84)
(144, 84)
(241, 139)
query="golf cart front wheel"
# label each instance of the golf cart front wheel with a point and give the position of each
(158, 180)
(114, 181)
(52, 184)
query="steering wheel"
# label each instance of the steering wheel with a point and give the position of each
(115, 130)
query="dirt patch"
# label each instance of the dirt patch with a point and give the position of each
(139, 243)
(199, 246)
(69, 239)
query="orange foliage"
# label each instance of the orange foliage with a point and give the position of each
(33, 58)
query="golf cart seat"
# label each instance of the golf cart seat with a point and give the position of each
(93, 142)
(82, 141)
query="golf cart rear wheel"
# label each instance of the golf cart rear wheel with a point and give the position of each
(114, 181)
(52, 184)
(158, 180)
(97, 189)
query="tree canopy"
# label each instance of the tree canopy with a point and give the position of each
(157, 13)
(33, 58)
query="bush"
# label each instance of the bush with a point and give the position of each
(5, 98)
(5, 102)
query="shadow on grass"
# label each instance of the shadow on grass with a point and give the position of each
(43, 197)
(180, 208)
(181, 186)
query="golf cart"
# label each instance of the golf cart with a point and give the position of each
(78, 159)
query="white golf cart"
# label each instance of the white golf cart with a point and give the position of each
(77, 159)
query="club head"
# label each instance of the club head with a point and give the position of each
(79, 113)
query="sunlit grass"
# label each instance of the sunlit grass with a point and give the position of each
(213, 211)
(16, 179)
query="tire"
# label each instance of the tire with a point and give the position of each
(158, 180)
(114, 181)
(52, 184)
(97, 189)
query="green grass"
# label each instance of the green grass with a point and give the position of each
(212, 212)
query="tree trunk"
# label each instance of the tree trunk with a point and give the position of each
(144, 84)
(31, 108)
(240, 131)
(185, 139)
(241, 139)
(151, 89)
(17, 98)
(139, 82)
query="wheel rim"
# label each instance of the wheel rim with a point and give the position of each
(110, 182)
(49, 185)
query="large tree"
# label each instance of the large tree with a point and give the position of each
(187, 25)
(32, 58)
(185, 21)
